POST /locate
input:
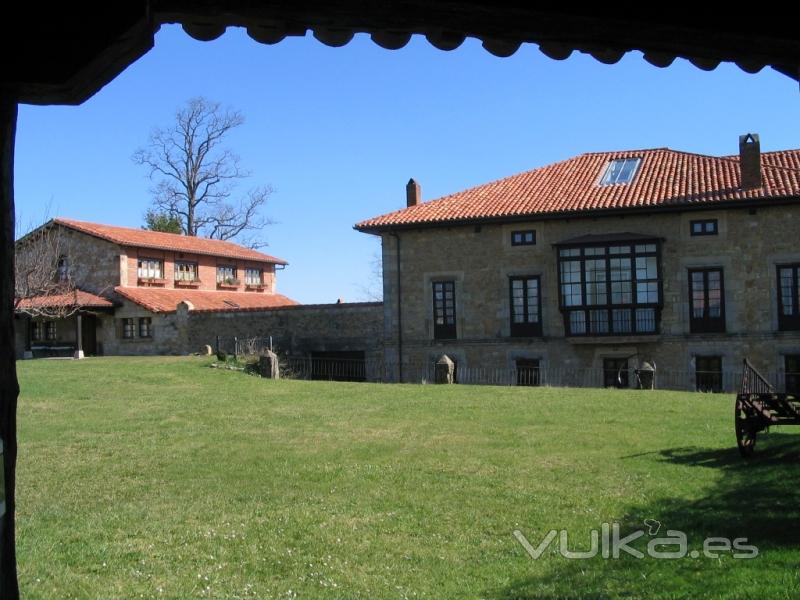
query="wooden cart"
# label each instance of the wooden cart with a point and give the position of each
(758, 406)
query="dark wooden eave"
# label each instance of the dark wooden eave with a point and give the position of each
(62, 53)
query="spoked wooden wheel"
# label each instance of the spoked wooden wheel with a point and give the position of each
(745, 430)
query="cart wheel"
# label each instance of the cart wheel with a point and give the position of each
(745, 431)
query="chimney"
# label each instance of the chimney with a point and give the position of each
(749, 161)
(413, 193)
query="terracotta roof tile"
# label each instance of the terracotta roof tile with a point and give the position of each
(73, 298)
(163, 300)
(665, 178)
(142, 238)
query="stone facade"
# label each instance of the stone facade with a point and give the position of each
(480, 259)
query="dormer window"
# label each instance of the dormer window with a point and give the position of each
(620, 170)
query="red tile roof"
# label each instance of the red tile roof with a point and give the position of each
(665, 178)
(163, 300)
(74, 298)
(141, 238)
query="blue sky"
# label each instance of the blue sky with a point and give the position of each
(339, 131)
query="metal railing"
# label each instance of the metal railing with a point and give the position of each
(378, 370)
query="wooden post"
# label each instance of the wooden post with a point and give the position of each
(79, 336)
(28, 337)
(9, 388)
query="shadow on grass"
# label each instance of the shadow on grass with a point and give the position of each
(757, 499)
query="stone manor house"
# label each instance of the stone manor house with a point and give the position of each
(574, 273)
(589, 267)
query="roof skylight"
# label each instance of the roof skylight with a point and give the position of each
(620, 170)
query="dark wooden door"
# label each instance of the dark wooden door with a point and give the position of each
(89, 334)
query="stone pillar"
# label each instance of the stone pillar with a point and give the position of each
(268, 365)
(445, 370)
(78, 337)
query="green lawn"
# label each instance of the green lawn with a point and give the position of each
(161, 477)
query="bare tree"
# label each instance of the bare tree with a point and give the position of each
(42, 283)
(195, 176)
(372, 289)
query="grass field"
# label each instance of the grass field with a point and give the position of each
(163, 478)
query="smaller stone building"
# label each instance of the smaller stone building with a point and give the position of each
(137, 292)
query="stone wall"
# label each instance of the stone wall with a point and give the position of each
(296, 330)
(481, 259)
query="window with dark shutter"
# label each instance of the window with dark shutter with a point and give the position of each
(792, 368)
(444, 310)
(526, 306)
(615, 372)
(708, 373)
(706, 301)
(788, 297)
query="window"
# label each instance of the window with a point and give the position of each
(444, 310)
(62, 269)
(526, 306)
(621, 170)
(145, 327)
(615, 372)
(706, 301)
(788, 297)
(50, 331)
(792, 365)
(127, 328)
(523, 238)
(150, 268)
(708, 373)
(252, 276)
(703, 227)
(37, 332)
(185, 271)
(610, 289)
(528, 371)
(227, 275)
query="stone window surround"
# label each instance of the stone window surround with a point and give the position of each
(703, 223)
(539, 227)
(729, 359)
(706, 324)
(521, 234)
(427, 281)
(506, 304)
(721, 358)
(731, 285)
(773, 260)
(795, 268)
(686, 226)
(541, 355)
